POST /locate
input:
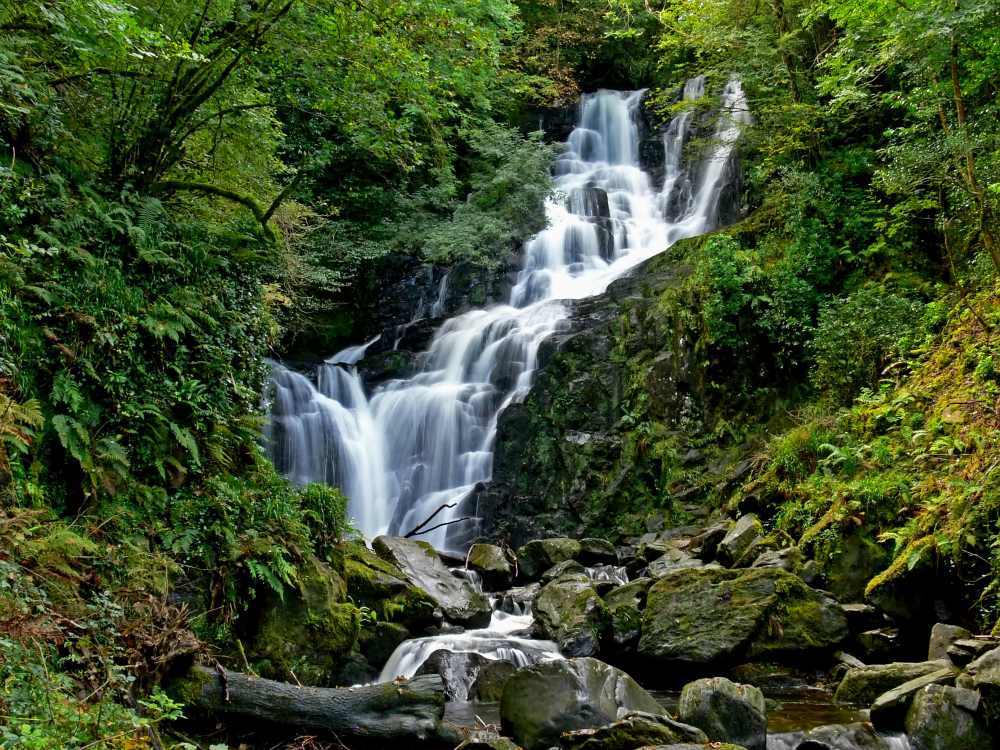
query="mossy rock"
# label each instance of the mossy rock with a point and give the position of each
(700, 616)
(379, 585)
(570, 612)
(537, 556)
(726, 711)
(862, 685)
(308, 632)
(632, 731)
(492, 564)
(946, 718)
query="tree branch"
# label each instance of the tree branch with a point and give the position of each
(416, 529)
(168, 186)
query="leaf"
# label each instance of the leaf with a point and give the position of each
(187, 440)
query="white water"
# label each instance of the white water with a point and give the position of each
(418, 443)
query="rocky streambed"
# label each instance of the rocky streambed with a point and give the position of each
(682, 637)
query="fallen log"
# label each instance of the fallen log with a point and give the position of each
(405, 711)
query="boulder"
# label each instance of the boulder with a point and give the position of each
(705, 544)
(595, 551)
(709, 615)
(568, 569)
(946, 718)
(493, 675)
(570, 612)
(517, 600)
(857, 736)
(542, 701)
(484, 740)
(985, 672)
(672, 559)
(725, 711)
(625, 604)
(965, 650)
(880, 644)
(381, 586)
(786, 559)
(632, 731)
(862, 685)
(492, 564)
(889, 709)
(422, 567)
(537, 556)
(861, 617)
(739, 539)
(454, 668)
(942, 636)
(379, 639)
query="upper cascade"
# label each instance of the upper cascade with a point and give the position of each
(421, 443)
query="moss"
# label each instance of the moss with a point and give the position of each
(189, 687)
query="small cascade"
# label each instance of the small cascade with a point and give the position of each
(614, 574)
(414, 445)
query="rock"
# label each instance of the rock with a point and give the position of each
(785, 559)
(570, 612)
(453, 667)
(706, 616)
(847, 660)
(625, 604)
(705, 545)
(856, 736)
(379, 639)
(861, 617)
(725, 711)
(542, 701)
(597, 552)
(483, 740)
(515, 601)
(311, 631)
(888, 710)
(880, 644)
(942, 636)
(492, 564)
(567, 569)
(946, 718)
(862, 685)
(493, 675)
(985, 673)
(537, 556)
(673, 559)
(965, 650)
(381, 586)
(740, 537)
(418, 561)
(634, 730)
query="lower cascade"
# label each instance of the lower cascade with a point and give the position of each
(416, 445)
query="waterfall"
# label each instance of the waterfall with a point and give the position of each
(419, 443)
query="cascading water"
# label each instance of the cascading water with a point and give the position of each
(423, 442)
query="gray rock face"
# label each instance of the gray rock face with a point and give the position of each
(492, 564)
(862, 685)
(702, 616)
(786, 559)
(725, 711)
(418, 561)
(889, 709)
(541, 702)
(739, 539)
(942, 636)
(946, 718)
(635, 730)
(537, 556)
(672, 559)
(570, 612)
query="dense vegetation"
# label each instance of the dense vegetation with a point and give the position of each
(183, 184)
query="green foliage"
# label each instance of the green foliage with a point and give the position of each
(858, 336)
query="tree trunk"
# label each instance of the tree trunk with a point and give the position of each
(376, 715)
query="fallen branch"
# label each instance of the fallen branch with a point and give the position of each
(415, 529)
(447, 523)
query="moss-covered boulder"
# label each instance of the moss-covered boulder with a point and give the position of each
(856, 736)
(493, 675)
(309, 632)
(625, 603)
(702, 616)
(862, 685)
(889, 709)
(726, 711)
(381, 587)
(739, 539)
(570, 612)
(632, 731)
(985, 673)
(946, 718)
(594, 551)
(492, 565)
(537, 556)
(542, 701)
(421, 566)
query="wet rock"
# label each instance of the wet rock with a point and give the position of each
(889, 709)
(493, 675)
(725, 711)
(862, 685)
(985, 672)
(705, 545)
(946, 718)
(542, 701)
(483, 740)
(861, 617)
(634, 730)
(785, 559)
(855, 736)
(569, 569)
(518, 600)
(570, 612)
(880, 644)
(625, 604)
(739, 539)
(379, 639)
(595, 551)
(942, 636)
(422, 567)
(537, 556)
(706, 616)
(965, 650)
(492, 564)
(673, 559)
(456, 669)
